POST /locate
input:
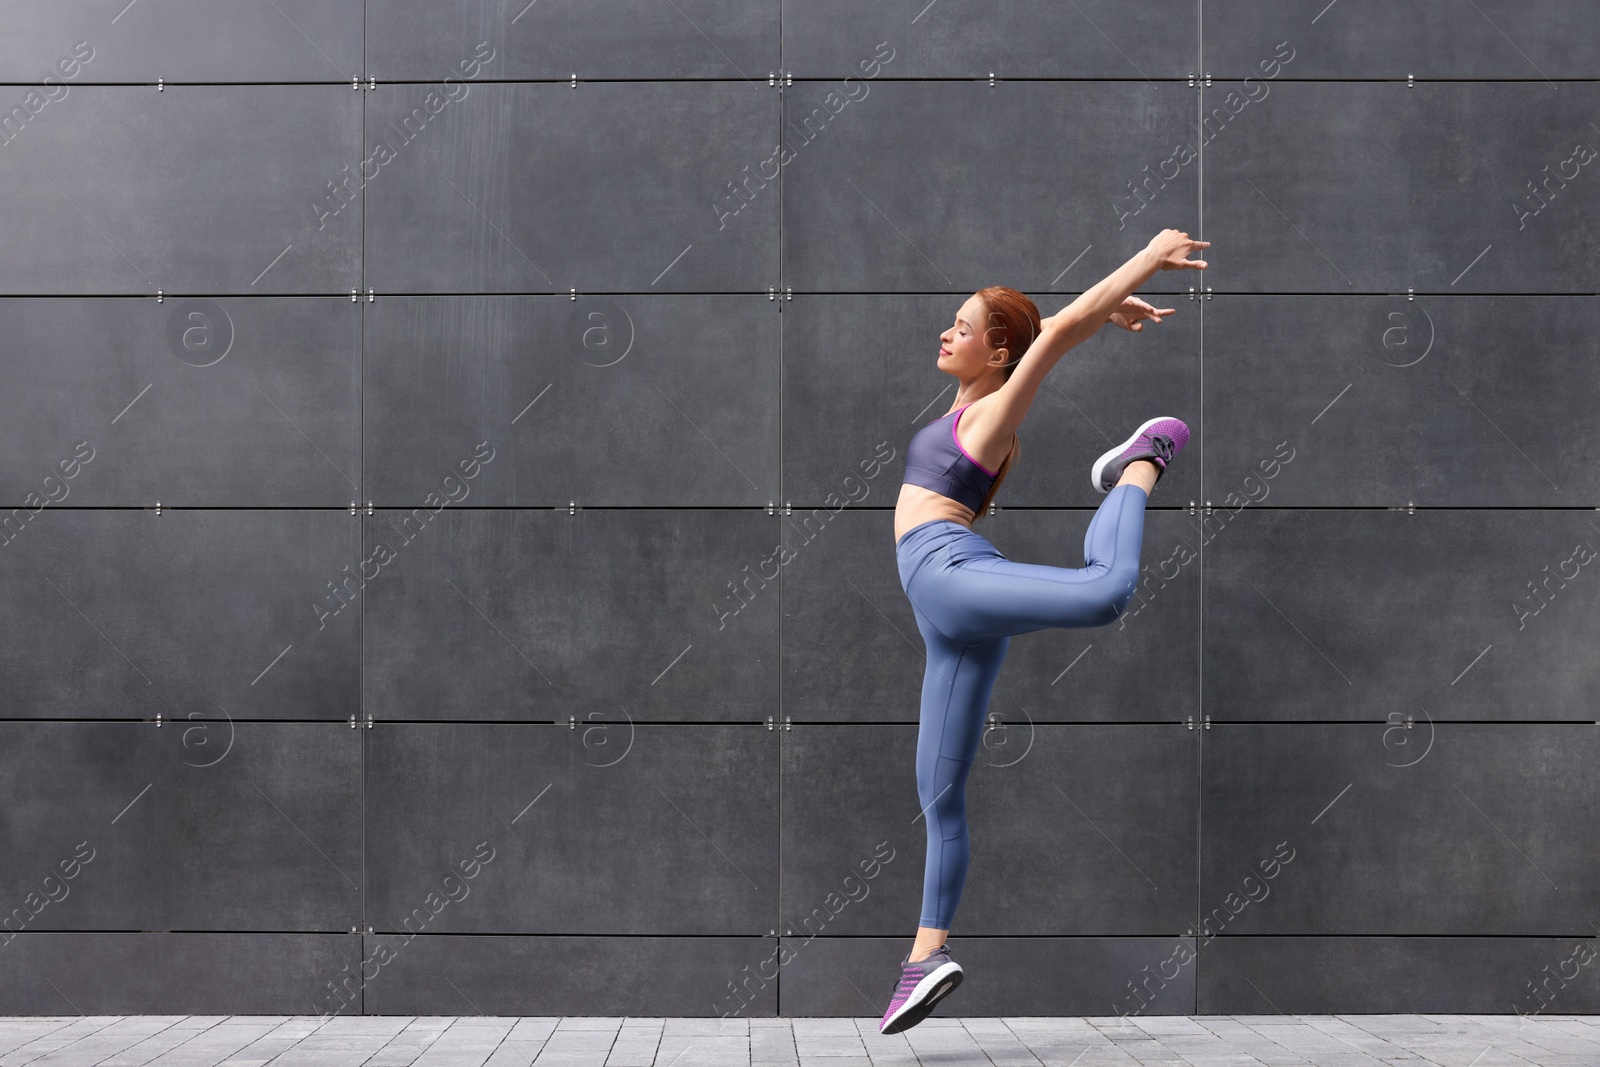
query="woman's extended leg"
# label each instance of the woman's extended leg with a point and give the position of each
(984, 596)
(967, 612)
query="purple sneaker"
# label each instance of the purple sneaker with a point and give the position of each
(922, 985)
(1158, 440)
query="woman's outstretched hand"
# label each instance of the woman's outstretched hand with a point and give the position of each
(1171, 249)
(1133, 309)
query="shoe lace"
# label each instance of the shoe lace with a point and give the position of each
(1161, 445)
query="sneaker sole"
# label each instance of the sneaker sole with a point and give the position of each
(1100, 464)
(924, 998)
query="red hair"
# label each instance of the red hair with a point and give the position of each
(1013, 322)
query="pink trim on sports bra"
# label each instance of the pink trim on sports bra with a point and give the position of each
(957, 440)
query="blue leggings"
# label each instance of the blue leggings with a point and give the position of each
(969, 600)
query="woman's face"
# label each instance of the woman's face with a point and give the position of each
(963, 350)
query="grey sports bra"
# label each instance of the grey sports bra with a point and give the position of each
(935, 460)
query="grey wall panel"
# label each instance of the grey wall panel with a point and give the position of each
(1093, 976)
(1087, 39)
(192, 402)
(1430, 39)
(197, 189)
(423, 39)
(616, 615)
(859, 378)
(1447, 829)
(568, 976)
(616, 829)
(160, 973)
(186, 40)
(918, 186)
(1392, 976)
(852, 651)
(1381, 401)
(124, 614)
(1075, 830)
(505, 188)
(1360, 614)
(1378, 187)
(609, 401)
(202, 824)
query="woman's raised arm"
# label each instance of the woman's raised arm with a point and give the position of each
(1167, 250)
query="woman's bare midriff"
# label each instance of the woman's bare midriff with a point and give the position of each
(918, 505)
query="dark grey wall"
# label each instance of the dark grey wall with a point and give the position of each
(500, 428)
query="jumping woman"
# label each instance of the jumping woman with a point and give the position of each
(968, 599)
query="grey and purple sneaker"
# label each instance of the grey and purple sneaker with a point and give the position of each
(1158, 440)
(922, 985)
